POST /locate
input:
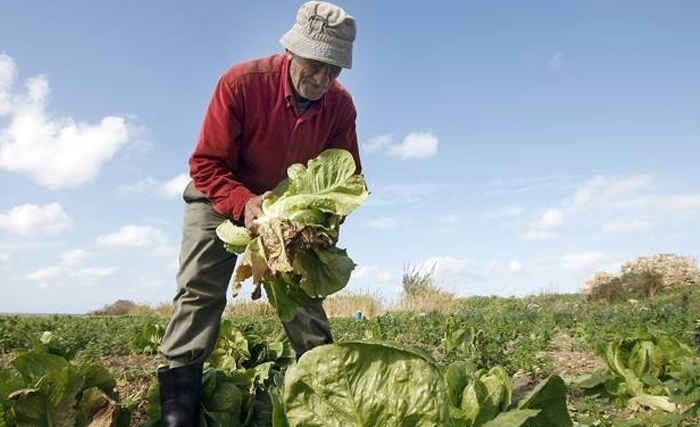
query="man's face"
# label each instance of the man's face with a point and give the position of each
(311, 78)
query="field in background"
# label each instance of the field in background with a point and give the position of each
(530, 337)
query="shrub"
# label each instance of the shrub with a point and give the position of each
(117, 308)
(605, 287)
(674, 270)
(645, 277)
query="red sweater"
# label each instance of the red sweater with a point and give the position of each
(252, 133)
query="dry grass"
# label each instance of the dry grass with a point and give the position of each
(347, 304)
(422, 295)
(428, 301)
(162, 310)
(249, 309)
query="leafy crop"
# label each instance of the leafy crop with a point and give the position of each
(41, 389)
(294, 255)
(381, 383)
(236, 380)
(639, 369)
(521, 335)
(365, 384)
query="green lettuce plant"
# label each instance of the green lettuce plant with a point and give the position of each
(236, 379)
(294, 254)
(364, 383)
(41, 389)
(639, 369)
(483, 397)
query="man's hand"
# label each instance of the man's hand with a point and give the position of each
(253, 209)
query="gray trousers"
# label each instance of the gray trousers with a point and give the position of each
(202, 283)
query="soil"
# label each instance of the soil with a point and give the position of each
(570, 364)
(134, 375)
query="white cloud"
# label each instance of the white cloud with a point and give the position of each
(63, 274)
(74, 257)
(552, 217)
(31, 220)
(626, 227)
(56, 152)
(685, 202)
(47, 274)
(170, 189)
(446, 266)
(372, 273)
(555, 61)
(174, 187)
(600, 189)
(168, 250)
(379, 143)
(515, 266)
(131, 236)
(458, 272)
(417, 145)
(541, 228)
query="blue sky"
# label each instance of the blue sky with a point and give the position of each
(518, 147)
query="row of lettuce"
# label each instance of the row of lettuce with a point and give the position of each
(527, 325)
(251, 380)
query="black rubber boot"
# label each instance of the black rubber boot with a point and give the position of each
(179, 395)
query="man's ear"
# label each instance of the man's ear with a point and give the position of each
(289, 54)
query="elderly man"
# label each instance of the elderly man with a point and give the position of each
(265, 115)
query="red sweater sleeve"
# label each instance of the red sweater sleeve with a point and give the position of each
(214, 159)
(345, 134)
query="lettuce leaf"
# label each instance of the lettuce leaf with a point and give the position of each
(294, 256)
(365, 384)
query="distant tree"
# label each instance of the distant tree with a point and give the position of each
(117, 308)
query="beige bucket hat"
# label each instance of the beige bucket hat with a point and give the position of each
(323, 32)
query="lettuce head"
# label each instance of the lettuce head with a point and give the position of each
(294, 255)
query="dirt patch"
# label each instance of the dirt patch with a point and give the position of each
(134, 375)
(568, 363)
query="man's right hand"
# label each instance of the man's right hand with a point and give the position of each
(253, 209)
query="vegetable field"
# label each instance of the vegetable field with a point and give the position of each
(550, 360)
